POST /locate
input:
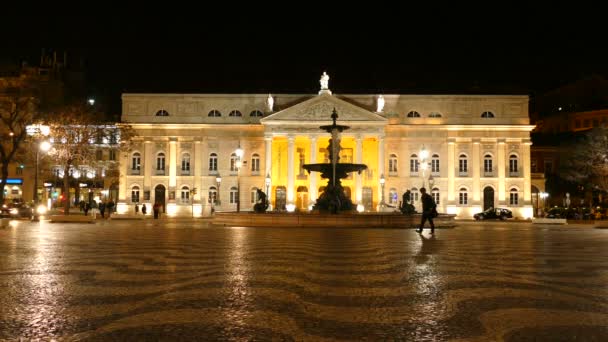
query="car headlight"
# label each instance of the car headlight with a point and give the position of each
(41, 209)
(14, 211)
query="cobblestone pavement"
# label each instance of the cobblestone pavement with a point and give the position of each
(151, 280)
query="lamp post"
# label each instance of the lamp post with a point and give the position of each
(239, 156)
(218, 181)
(382, 181)
(267, 184)
(43, 146)
(543, 196)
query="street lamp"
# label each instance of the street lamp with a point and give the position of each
(382, 181)
(543, 195)
(239, 157)
(267, 184)
(424, 154)
(43, 146)
(218, 181)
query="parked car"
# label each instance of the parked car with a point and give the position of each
(494, 213)
(16, 210)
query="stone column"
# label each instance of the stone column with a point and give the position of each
(358, 177)
(451, 171)
(501, 172)
(123, 174)
(173, 160)
(268, 172)
(476, 166)
(197, 159)
(313, 194)
(381, 170)
(525, 156)
(148, 167)
(290, 169)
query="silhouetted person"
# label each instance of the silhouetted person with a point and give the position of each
(156, 209)
(102, 209)
(429, 208)
(136, 208)
(110, 207)
(144, 209)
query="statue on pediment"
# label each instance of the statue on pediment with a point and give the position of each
(324, 81)
(380, 104)
(270, 102)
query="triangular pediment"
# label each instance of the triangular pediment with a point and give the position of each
(319, 109)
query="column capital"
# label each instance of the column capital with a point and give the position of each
(291, 138)
(268, 137)
(172, 139)
(476, 141)
(501, 141)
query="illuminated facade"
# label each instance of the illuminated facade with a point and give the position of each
(477, 150)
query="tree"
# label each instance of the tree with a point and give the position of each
(77, 131)
(586, 160)
(18, 109)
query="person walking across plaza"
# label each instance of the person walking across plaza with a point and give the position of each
(429, 210)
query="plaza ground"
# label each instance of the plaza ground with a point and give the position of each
(188, 280)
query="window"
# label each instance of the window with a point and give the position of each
(233, 158)
(160, 161)
(513, 197)
(513, 163)
(254, 195)
(213, 162)
(487, 115)
(435, 115)
(463, 197)
(392, 163)
(214, 113)
(435, 163)
(136, 161)
(99, 155)
(435, 195)
(255, 162)
(135, 194)
(413, 114)
(112, 155)
(487, 163)
(414, 196)
(212, 195)
(463, 167)
(233, 195)
(186, 162)
(548, 166)
(414, 163)
(256, 113)
(185, 194)
(393, 196)
(235, 113)
(162, 112)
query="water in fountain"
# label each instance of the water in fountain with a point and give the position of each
(333, 199)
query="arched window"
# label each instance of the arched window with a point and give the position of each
(185, 194)
(136, 161)
(214, 113)
(435, 115)
(487, 114)
(233, 159)
(435, 163)
(393, 196)
(135, 194)
(186, 162)
(162, 112)
(415, 195)
(213, 162)
(413, 114)
(463, 196)
(487, 163)
(254, 195)
(463, 164)
(235, 113)
(160, 162)
(233, 195)
(435, 194)
(513, 164)
(414, 163)
(255, 162)
(212, 195)
(256, 113)
(392, 164)
(514, 197)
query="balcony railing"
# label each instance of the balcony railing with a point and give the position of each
(515, 174)
(487, 173)
(160, 172)
(463, 173)
(135, 172)
(413, 174)
(185, 172)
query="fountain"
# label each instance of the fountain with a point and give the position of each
(333, 199)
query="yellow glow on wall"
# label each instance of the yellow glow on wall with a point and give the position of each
(171, 209)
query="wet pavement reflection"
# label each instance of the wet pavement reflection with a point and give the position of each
(121, 280)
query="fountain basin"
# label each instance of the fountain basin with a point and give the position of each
(322, 220)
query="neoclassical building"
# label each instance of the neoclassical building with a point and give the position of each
(198, 152)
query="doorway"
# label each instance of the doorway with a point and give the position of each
(280, 198)
(488, 197)
(159, 195)
(367, 198)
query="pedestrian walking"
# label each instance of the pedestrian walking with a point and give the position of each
(429, 211)
(156, 209)
(136, 208)
(110, 207)
(144, 209)
(102, 209)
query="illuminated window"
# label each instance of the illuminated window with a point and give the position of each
(160, 161)
(392, 163)
(414, 163)
(186, 162)
(463, 166)
(435, 163)
(255, 162)
(513, 164)
(185, 194)
(463, 197)
(212, 195)
(233, 195)
(135, 194)
(514, 197)
(487, 163)
(435, 194)
(213, 162)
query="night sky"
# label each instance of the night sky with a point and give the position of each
(378, 50)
